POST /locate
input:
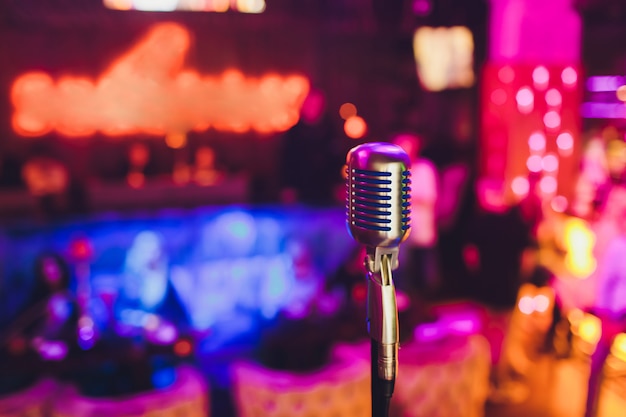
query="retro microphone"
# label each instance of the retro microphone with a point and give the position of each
(378, 209)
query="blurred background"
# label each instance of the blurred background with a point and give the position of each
(172, 205)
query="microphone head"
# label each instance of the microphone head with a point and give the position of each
(378, 194)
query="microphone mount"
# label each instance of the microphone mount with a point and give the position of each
(382, 318)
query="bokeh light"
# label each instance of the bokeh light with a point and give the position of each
(537, 142)
(251, 6)
(347, 110)
(541, 303)
(548, 185)
(183, 348)
(118, 4)
(618, 349)
(550, 163)
(565, 141)
(552, 120)
(579, 242)
(590, 329)
(520, 186)
(355, 127)
(498, 97)
(621, 93)
(155, 5)
(506, 74)
(221, 5)
(553, 97)
(541, 77)
(533, 163)
(526, 305)
(559, 204)
(569, 77)
(176, 140)
(525, 100)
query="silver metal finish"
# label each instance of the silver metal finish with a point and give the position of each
(382, 319)
(378, 208)
(378, 199)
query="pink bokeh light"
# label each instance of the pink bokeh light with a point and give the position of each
(537, 142)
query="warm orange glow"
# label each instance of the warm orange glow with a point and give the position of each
(621, 93)
(618, 349)
(444, 57)
(575, 317)
(347, 110)
(176, 140)
(119, 4)
(579, 241)
(243, 6)
(45, 176)
(221, 6)
(355, 127)
(589, 329)
(148, 90)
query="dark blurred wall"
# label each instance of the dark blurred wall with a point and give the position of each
(357, 51)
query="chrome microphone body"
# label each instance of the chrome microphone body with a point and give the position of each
(378, 216)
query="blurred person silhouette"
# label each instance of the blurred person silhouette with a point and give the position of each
(310, 164)
(610, 304)
(45, 322)
(495, 239)
(533, 272)
(50, 311)
(419, 274)
(146, 288)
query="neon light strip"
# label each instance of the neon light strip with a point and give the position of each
(605, 83)
(603, 110)
(147, 90)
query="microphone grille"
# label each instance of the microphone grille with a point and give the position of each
(378, 194)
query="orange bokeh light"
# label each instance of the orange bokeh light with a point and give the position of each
(347, 110)
(355, 127)
(148, 90)
(176, 140)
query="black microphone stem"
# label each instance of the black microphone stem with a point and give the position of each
(382, 390)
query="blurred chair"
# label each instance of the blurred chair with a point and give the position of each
(31, 402)
(188, 396)
(448, 377)
(340, 388)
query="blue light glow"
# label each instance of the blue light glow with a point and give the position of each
(163, 378)
(203, 269)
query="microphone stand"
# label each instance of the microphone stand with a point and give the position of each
(382, 320)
